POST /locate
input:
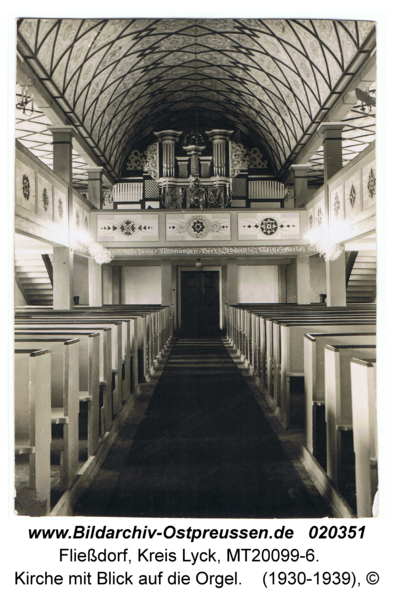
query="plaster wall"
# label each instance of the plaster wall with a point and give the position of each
(257, 284)
(140, 285)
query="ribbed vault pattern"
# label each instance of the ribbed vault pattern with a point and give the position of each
(124, 79)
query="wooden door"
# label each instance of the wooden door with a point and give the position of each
(200, 303)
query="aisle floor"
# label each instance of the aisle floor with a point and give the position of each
(202, 443)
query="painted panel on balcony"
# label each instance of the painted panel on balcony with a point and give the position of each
(25, 193)
(268, 226)
(44, 198)
(352, 196)
(319, 213)
(59, 207)
(369, 185)
(311, 218)
(129, 227)
(188, 228)
(337, 204)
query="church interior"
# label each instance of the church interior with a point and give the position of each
(195, 268)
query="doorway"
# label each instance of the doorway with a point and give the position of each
(200, 304)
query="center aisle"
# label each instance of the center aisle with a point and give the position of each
(205, 449)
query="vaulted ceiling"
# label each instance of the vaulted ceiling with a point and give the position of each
(118, 81)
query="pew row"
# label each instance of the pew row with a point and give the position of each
(364, 417)
(33, 426)
(314, 375)
(64, 396)
(338, 405)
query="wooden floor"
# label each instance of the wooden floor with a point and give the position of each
(203, 444)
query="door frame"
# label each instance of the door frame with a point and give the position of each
(179, 272)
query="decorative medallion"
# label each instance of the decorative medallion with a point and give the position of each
(337, 205)
(269, 226)
(198, 227)
(255, 226)
(45, 199)
(77, 219)
(352, 196)
(371, 184)
(127, 228)
(26, 187)
(319, 216)
(61, 208)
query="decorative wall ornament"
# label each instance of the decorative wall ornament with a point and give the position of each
(240, 158)
(337, 205)
(319, 217)
(352, 196)
(59, 207)
(135, 161)
(26, 187)
(45, 199)
(263, 226)
(369, 181)
(221, 251)
(256, 159)
(184, 227)
(310, 221)
(151, 160)
(371, 184)
(86, 224)
(77, 218)
(289, 194)
(128, 228)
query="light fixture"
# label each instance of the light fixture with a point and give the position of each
(26, 102)
(320, 242)
(83, 242)
(368, 102)
(198, 262)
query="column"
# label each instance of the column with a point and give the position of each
(282, 283)
(95, 185)
(166, 282)
(63, 257)
(107, 284)
(332, 154)
(63, 260)
(95, 283)
(232, 292)
(219, 137)
(168, 140)
(303, 288)
(300, 184)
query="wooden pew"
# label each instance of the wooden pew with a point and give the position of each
(289, 352)
(87, 368)
(364, 417)
(338, 401)
(64, 395)
(60, 327)
(33, 422)
(314, 373)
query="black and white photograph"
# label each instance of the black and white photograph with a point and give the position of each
(195, 289)
(208, 350)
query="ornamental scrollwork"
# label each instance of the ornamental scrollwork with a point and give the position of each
(371, 183)
(239, 155)
(151, 160)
